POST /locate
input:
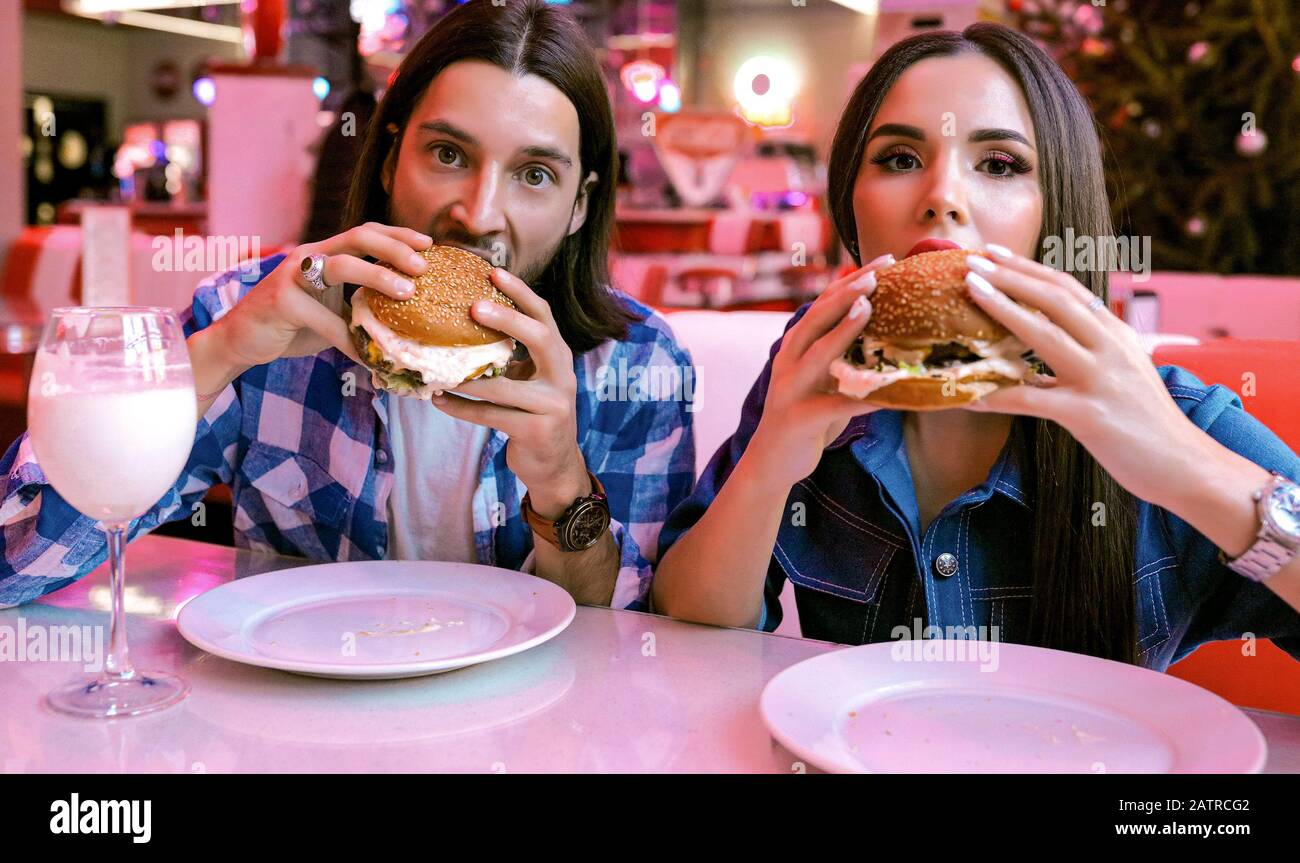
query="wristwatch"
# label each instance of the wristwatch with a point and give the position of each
(1278, 504)
(579, 527)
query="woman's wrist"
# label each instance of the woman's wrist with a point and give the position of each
(765, 464)
(1211, 489)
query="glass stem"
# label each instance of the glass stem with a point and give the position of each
(118, 662)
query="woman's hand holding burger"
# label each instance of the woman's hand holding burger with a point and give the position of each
(1106, 393)
(803, 412)
(283, 316)
(536, 407)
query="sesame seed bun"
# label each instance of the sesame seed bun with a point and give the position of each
(922, 300)
(437, 313)
(927, 346)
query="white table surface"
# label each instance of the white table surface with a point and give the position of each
(617, 691)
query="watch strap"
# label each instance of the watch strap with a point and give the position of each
(550, 530)
(1262, 559)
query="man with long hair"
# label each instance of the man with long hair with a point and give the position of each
(496, 136)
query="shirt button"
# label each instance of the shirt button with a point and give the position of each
(381, 457)
(945, 564)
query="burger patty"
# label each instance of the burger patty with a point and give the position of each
(942, 354)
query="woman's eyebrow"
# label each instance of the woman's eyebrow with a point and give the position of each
(902, 130)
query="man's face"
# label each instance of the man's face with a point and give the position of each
(489, 162)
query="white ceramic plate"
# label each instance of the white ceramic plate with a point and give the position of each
(376, 619)
(882, 708)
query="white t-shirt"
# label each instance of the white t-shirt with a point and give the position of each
(435, 473)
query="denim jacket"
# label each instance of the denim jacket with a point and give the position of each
(851, 543)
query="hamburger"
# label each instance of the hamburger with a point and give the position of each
(428, 342)
(927, 345)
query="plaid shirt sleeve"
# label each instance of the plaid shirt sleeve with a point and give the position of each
(45, 543)
(649, 465)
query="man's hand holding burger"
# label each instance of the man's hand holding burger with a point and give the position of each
(283, 316)
(534, 403)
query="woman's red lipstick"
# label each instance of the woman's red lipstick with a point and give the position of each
(931, 244)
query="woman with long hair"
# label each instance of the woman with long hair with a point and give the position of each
(1106, 513)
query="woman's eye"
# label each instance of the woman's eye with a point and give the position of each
(1005, 166)
(886, 158)
(537, 178)
(445, 155)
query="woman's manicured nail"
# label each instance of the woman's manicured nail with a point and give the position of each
(866, 282)
(980, 285)
(403, 287)
(861, 306)
(419, 263)
(999, 251)
(984, 265)
(482, 307)
(882, 261)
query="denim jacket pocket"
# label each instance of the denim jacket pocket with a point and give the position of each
(1005, 607)
(298, 487)
(1153, 621)
(826, 547)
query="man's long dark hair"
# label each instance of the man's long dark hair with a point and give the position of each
(1084, 591)
(523, 37)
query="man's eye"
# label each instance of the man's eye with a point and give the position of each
(445, 155)
(538, 178)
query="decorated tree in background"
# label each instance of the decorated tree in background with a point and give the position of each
(1199, 102)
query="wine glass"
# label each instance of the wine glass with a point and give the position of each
(111, 417)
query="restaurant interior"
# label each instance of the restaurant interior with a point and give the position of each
(124, 141)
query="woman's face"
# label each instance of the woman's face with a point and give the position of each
(951, 154)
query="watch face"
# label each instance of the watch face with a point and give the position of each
(585, 526)
(1284, 509)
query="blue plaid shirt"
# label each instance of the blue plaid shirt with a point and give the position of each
(304, 445)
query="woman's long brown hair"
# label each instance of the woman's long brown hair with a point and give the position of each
(1084, 593)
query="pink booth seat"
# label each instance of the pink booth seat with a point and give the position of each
(1210, 306)
(729, 350)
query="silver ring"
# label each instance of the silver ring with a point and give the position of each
(1096, 304)
(313, 270)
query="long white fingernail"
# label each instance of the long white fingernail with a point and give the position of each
(980, 285)
(881, 261)
(999, 251)
(984, 265)
(860, 307)
(865, 282)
